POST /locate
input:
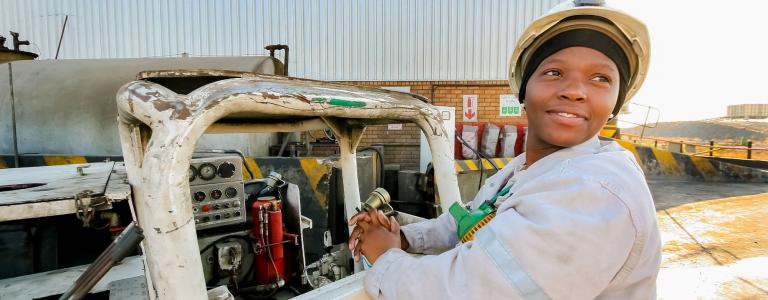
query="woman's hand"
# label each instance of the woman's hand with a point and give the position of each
(373, 235)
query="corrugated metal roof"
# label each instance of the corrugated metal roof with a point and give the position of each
(329, 40)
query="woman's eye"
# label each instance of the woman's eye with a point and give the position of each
(601, 78)
(552, 73)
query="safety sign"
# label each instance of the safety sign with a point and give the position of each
(470, 108)
(509, 106)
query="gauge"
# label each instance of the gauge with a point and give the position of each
(199, 196)
(226, 170)
(216, 194)
(230, 192)
(192, 173)
(207, 171)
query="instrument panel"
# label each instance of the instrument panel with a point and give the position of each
(217, 191)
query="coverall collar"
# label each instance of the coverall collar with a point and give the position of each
(545, 164)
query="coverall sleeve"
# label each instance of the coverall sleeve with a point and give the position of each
(567, 240)
(432, 236)
(438, 235)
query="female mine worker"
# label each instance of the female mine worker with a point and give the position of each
(574, 218)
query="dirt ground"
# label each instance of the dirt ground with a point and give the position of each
(714, 240)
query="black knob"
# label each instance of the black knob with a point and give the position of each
(199, 196)
(230, 192)
(215, 194)
(217, 217)
(226, 170)
(237, 214)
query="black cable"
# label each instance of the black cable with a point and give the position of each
(480, 182)
(381, 164)
(481, 156)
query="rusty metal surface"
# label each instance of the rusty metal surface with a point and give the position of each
(715, 249)
(192, 73)
(157, 159)
(50, 191)
(286, 96)
(59, 182)
(13, 55)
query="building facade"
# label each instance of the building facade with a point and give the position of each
(748, 111)
(444, 50)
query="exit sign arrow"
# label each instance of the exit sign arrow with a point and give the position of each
(470, 108)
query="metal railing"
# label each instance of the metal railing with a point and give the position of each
(746, 151)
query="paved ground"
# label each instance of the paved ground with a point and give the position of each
(714, 240)
(670, 192)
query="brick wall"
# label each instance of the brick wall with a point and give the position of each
(402, 146)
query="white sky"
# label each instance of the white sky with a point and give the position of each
(705, 55)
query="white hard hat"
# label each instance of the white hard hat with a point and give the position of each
(628, 33)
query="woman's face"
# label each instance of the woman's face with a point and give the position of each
(570, 97)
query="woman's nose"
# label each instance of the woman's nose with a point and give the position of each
(573, 89)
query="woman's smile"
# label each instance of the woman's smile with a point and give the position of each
(567, 116)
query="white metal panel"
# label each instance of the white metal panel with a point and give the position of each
(329, 40)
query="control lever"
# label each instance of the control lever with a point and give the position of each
(379, 199)
(121, 247)
(274, 180)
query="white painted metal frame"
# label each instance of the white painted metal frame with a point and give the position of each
(159, 129)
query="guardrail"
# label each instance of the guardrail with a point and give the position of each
(696, 149)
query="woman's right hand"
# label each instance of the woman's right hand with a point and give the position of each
(372, 221)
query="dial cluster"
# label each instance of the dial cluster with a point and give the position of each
(217, 191)
(208, 171)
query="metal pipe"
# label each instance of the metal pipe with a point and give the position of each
(123, 245)
(272, 48)
(157, 170)
(642, 131)
(13, 118)
(61, 37)
(285, 137)
(17, 42)
(445, 175)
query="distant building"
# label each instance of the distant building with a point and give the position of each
(748, 111)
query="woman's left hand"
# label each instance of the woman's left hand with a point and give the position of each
(374, 235)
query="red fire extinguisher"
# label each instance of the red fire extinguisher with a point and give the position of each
(268, 233)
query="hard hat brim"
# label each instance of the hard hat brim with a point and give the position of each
(631, 28)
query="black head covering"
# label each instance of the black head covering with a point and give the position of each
(581, 38)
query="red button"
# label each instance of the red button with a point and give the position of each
(205, 208)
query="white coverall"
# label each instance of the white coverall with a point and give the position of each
(579, 223)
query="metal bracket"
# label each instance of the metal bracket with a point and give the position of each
(306, 223)
(86, 206)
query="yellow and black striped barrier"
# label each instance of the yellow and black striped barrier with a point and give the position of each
(663, 163)
(654, 162)
(36, 160)
(468, 165)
